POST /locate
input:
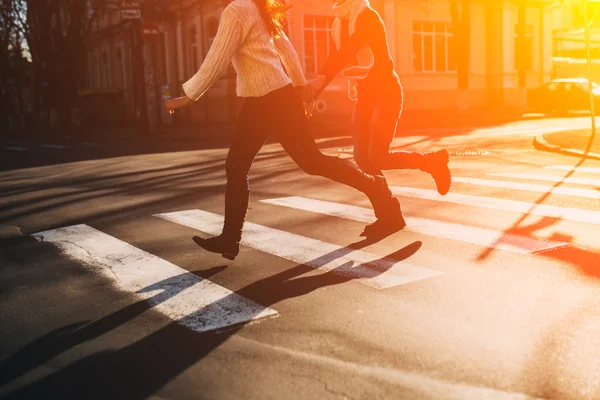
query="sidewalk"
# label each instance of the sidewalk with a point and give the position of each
(321, 126)
(572, 143)
(326, 126)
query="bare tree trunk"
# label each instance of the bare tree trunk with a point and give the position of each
(6, 102)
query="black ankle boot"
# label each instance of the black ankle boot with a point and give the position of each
(436, 164)
(387, 210)
(385, 204)
(228, 248)
(228, 243)
(383, 227)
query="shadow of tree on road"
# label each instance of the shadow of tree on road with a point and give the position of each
(170, 185)
(547, 368)
(519, 227)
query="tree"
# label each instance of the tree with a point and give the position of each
(12, 56)
(56, 33)
(461, 28)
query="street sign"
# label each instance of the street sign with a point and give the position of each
(131, 14)
(130, 4)
(150, 29)
(130, 9)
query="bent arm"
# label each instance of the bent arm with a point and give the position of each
(338, 59)
(230, 35)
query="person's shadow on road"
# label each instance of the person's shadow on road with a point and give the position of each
(140, 369)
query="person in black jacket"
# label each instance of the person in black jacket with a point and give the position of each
(362, 52)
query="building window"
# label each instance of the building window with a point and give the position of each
(121, 67)
(104, 74)
(96, 81)
(212, 26)
(90, 70)
(318, 42)
(162, 48)
(524, 53)
(433, 47)
(193, 56)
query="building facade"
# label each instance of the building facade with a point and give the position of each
(108, 93)
(421, 39)
(570, 55)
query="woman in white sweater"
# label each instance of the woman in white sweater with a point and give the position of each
(250, 35)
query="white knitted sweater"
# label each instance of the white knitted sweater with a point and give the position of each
(244, 39)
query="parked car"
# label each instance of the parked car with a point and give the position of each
(562, 95)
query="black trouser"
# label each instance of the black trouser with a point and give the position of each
(281, 113)
(374, 123)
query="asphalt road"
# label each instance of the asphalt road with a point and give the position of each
(491, 292)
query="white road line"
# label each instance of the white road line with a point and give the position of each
(16, 148)
(547, 178)
(446, 230)
(516, 206)
(528, 131)
(571, 167)
(530, 187)
(194, 302)
(367, 268)
(53, 146)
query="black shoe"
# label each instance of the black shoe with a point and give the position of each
(229, 249)
(437, 166)
(383, 227)
(385, 205)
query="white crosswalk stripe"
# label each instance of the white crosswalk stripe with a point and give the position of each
(591, 170)
(365, 267)
(529, 187)
(194, 302)
(494, 131)
(547, 178)
(514, 206)
(446, 230)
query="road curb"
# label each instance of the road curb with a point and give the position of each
(10, 232)
(540, 143)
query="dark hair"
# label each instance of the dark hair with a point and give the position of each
(273, 13)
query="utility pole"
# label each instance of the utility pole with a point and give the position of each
(522, 67)
(589, 65)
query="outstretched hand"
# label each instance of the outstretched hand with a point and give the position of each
(178, 102)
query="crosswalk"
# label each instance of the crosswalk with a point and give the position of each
(196, 303)
(202, 305)
(440, 229)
